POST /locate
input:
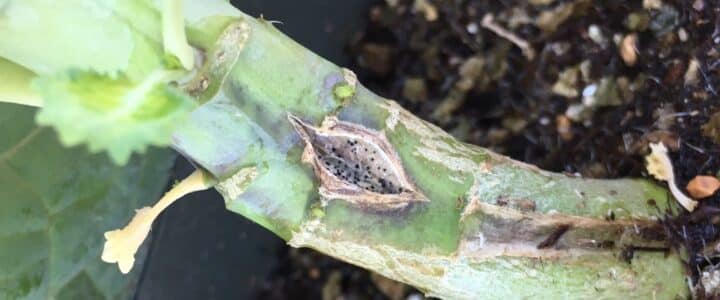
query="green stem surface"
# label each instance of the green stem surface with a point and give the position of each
(493, 227)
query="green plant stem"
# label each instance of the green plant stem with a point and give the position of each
(488, 229)
(493, 228)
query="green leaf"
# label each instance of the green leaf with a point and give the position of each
(98, 32)
(115, 115)
(55, 204)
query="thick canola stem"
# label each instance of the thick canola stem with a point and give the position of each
(487, 226)
(492, 227)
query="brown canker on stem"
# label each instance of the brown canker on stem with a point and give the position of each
(553, 238)
(219, 61)
(356, 164)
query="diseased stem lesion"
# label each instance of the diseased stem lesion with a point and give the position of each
(552, 239)
(516, 209)
(356, 164)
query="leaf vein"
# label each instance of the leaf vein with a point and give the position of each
(9, 153)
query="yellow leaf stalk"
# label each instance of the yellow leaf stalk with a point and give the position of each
(122, 244)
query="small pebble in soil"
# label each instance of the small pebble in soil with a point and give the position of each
(628, 50)
(703, 186)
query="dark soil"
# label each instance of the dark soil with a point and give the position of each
(439, 61)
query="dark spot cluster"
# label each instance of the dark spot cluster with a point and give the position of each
(359, 163)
